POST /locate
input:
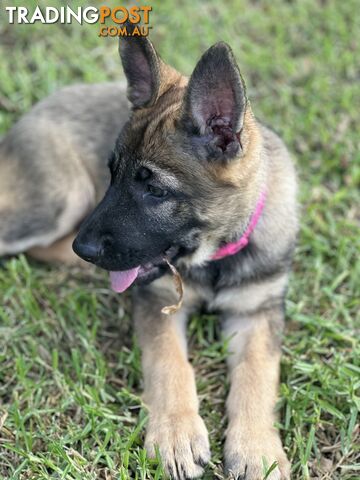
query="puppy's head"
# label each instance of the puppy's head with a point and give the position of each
(185, 171)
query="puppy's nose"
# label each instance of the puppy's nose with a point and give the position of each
(88, 250)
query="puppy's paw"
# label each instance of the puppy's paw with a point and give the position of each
(244, 457)
(183, 444)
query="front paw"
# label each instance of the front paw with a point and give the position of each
(245, 457)
(183, 444)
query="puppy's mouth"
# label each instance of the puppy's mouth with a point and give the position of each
(122, 280)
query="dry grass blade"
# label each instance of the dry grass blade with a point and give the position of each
(171, 309)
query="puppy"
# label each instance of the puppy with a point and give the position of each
(196, 180)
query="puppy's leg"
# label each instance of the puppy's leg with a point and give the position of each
(175, 426)
(58, 252)
(254, 368)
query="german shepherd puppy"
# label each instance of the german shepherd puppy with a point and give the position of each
(195, 179)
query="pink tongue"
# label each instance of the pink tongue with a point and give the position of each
(120, 281)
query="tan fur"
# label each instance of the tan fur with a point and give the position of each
(175, 426)
(239, 173)
(253, 323)
(251, 435)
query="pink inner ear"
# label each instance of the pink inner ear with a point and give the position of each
(216, 113)
(217, 103)
(141, 85)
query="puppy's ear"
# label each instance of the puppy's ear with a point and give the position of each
(141, 65)
(215, 103)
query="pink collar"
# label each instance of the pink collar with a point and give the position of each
(235, 247)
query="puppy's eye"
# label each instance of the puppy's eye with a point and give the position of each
(157, 191)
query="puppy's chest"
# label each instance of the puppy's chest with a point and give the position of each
(209, 286)
(221, 274)
(229, 284)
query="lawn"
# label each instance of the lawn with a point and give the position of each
(70, 376)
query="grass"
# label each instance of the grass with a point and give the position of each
(70, 377)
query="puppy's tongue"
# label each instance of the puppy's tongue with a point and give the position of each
(120, 281)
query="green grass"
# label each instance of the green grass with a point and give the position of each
(70, 376)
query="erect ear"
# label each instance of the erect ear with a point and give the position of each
(141, 65)
(215, 103)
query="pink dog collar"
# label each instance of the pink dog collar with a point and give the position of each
(235, 247)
